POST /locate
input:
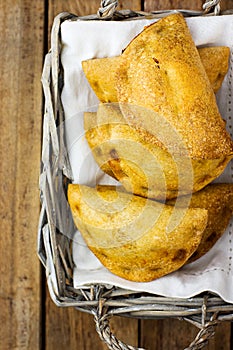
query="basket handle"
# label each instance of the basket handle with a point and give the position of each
(101, 318)
(209, 5)
(108, 7)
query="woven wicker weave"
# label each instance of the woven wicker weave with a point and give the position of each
(54, 248)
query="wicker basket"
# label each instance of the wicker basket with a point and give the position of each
(54, 248)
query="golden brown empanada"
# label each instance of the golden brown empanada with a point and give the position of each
(129, 234)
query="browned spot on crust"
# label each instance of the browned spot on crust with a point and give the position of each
(179, 255)
(156, 61)
(113, 153)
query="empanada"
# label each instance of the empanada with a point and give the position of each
(129, 234)
(169, 108)
(139, 161)
(102, 72)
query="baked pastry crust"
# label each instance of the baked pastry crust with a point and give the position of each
(140, 161)
(130, 234)
(217, 199)
(101, 73)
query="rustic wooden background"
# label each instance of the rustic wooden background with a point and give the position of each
(29, 319)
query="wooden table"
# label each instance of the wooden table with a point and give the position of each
(29, 319)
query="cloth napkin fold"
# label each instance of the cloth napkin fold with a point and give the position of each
(83, 40)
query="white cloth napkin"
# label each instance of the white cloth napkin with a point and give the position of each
(87, 39)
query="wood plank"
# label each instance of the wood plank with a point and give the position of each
(175, 334)
(151, 5)
(69, 328)
(21, 36)
(226, 4)
(166, 334)
(125, 329)
(83, 8)
(222, 338)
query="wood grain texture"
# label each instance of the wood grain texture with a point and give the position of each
(166, 334)
(226, 4)
(125, 329)
(152, 5)
(176, 335)
(83, 8)
(67, 328)
(222, 339)
(21, 55)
